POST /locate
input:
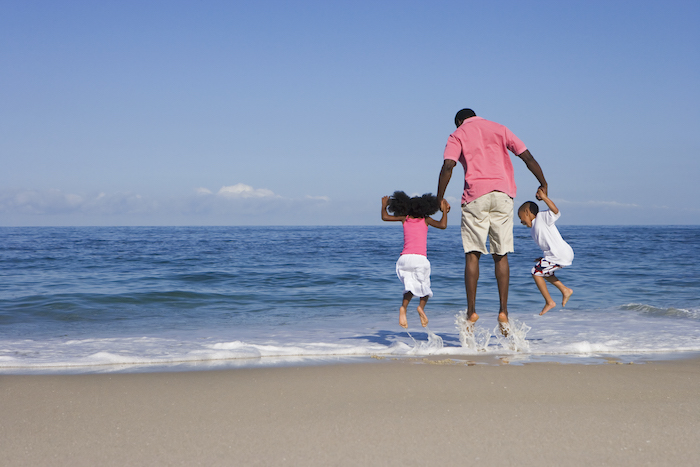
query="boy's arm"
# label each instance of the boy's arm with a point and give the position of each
(385, 215)
(442, 223)
(550, 204)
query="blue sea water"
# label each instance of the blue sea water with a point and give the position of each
(140, 298)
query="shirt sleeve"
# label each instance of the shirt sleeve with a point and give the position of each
(514, 144)
(549, 217)
(453, 149)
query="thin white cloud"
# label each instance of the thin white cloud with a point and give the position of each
(38, 202)
(241, 190)
(318, 198)
(610, 204)
(239, 203)
(627, 207)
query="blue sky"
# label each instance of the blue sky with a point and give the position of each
(307, 112)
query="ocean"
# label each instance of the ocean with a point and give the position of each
(115, 299)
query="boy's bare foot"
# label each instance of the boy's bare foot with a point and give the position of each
(403, 322)
(423, 318)
(473, 318)
(566, 295)
(547, 307)
(503, 323)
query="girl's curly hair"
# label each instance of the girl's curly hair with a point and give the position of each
(400, 204)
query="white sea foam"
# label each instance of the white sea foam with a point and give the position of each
(476, 338)
(570, 332)
(432, 346)
(471, 336)
(513, 335)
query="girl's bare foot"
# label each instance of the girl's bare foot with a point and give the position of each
(423, 318)
(566, 294)
(403, 322)
(547, 307)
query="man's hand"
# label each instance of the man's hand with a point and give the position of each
(541, 193)
(445, 175)
(444, 206)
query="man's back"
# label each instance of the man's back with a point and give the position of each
(482, 146)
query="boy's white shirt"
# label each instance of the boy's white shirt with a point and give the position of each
(548, 238)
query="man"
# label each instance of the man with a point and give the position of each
(482, 146)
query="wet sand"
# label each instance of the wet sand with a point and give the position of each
(378, 413)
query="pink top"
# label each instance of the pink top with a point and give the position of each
(481, 146)
(415, 237)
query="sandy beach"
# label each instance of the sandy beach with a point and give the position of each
(387, 412)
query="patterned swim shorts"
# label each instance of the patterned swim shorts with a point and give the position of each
(544, 268)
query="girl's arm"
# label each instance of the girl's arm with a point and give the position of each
(442, 223)
(550, 204)
(386, 216)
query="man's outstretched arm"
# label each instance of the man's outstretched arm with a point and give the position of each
(535, 168)
(445, 176)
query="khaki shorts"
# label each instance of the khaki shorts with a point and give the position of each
(490, 215)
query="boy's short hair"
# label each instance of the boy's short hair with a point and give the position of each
(530, 206)
(462, 115)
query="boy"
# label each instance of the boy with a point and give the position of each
(557, 253)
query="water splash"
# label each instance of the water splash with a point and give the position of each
(471, 337)
(515, 339)
(433, 344)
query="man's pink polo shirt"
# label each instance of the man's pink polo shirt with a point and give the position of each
(481, 146)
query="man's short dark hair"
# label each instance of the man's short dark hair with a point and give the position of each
(462, 115)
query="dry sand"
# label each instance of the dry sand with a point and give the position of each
(378, 413)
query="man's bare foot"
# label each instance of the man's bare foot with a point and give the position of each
(469, 323)
(567, 294)
(423, 318)
(547, 307)
(503, 323)
(403, 322)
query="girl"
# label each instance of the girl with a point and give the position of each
(413, 267)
